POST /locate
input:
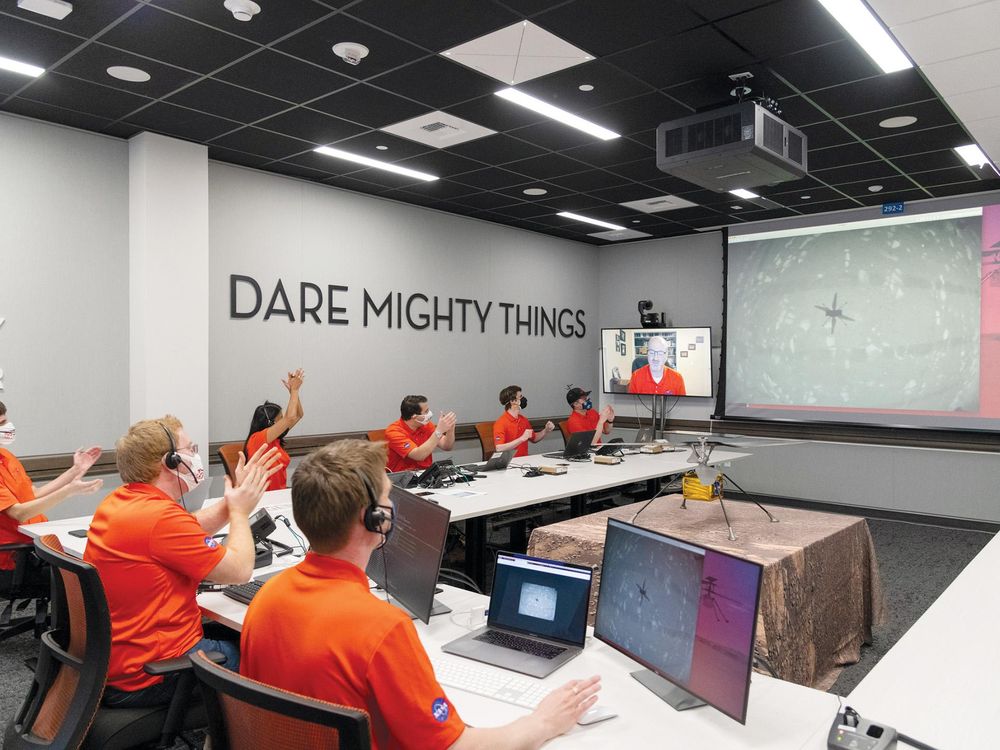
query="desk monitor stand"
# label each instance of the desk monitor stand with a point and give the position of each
(668, 692)
(437, 608)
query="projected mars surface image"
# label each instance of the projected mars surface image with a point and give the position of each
(884, 317)
(654, 591)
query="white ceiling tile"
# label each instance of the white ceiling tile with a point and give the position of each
(896, 12)
(976, 105)
(955, 34)
(438, 129)
(962, 74)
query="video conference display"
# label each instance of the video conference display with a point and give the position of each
(686, 612)
(657, 361)
(891, 322)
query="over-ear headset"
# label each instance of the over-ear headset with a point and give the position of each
(173, 458)
(374, 515)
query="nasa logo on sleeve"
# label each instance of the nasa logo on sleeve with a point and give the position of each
(210, 542)
(406, 445)
(440, 710)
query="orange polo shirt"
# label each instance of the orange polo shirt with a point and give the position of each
(584, 422)
(402, 440)
(15, 487)
(318, 631)
(507, 428)
(151, 554)
(279, 479)
(671, 384)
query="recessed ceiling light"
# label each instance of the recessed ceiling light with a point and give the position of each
(242, 10)
(595, 222)
(744, 194)
(874, 188)
(972, 155)
(635, 221)
(737, 208)
(19, 67)
(336, 153)
(586, 87)
(535, 191)
(57, 9)
(898, 122)
(382, 148)
(125, 73)
(560, 115)
(805, 197)
(867, 30)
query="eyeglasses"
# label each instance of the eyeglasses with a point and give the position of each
(391, 509)
(189, 449)
(656, 353)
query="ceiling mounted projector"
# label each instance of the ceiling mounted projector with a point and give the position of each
(242, 10)
(740, 146)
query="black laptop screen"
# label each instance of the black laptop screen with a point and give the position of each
(540, 597)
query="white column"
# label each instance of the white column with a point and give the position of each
(168, 282)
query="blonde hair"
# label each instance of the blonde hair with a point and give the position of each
(328, 490)
(139, 451)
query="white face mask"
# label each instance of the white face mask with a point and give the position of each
(197, 474)
(424, 418)
(6, 433)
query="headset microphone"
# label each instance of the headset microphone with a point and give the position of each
(172, 460)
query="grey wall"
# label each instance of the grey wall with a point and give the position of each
(63, 285)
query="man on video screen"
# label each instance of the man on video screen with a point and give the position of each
(656, 378)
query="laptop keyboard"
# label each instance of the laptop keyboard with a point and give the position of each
(489, 682)
(517, 643)
(243, 592)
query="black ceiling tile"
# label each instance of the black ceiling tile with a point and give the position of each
(368, 106)
(92, 63)
(440, 189)
(839, 156)
(921, 141)
(525, 210)
(645, 138)
(889, 185)
(714, 220)
(32, 44)
(872, 170)
(593, 179)
(586, 23)
(284, 77)
(816, 194)
(609, 153)
(11, 82)
(801, 185)
(693, 214)
(944, 176)
(517, 192)
(163, 36)
(798, 112)
(824, 135)
(529, 8)
(614, 213)
(562, 88)
(704, 197)
(315, 44)
(708, 93)
(929, 114)
(496, 149)
(51, 113)
(323, 163)
(435, 24)
(72, 93)
(637, 114)
(783, 28)
(623, 193)
(223, 100)
(311, 126)
(490, 178)
(230, 156)
(681, 58)
(439, 163)
(871, 94)
(87, 18)
(713, 10)
(887, 196)
(485, 200)
(271, 23)
(668, 185)
(764, 215)
(641, 170)
(366, 144)
(928, 161)
(262, 143)
(495, 113)
(296, 170)
(964, 188)
(436, 82)
(552, 135)
(180, 122)
(825, 207)
(574, 203)
(546, 166)
(828, 65)
(121, 130)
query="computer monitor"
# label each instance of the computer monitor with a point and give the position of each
(407, 566)
(657, 361)
(685, 612)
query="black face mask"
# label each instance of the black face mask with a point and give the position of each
(524, 402)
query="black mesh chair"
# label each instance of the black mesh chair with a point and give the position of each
(63, 706)
(245, 713)
(19, 588)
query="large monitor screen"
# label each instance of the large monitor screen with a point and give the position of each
(407, 567)
(891, 322)
(686, 613)
(657, 361)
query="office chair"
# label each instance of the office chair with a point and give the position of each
(62, 708)
(17, 588)
(639, 362)
(485, 432)
(564, 429)
(230, 455)
(245, 713)
(376, 436)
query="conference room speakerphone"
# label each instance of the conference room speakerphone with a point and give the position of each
(490, 682)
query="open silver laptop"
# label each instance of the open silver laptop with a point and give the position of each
(537, 618)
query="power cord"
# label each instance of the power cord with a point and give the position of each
(288, 524)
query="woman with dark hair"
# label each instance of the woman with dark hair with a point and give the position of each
(269, 426)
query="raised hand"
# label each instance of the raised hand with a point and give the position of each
(294, 380)
(447, 422)
(83, 487)
(549, 426)
(607, 413)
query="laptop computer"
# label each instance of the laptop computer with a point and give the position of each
(644, 435)
(577, 447)
(537, 618)
(499, 460)
(401, 479)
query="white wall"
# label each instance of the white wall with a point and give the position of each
(63, 285)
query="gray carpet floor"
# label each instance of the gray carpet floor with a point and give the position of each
(917, 563)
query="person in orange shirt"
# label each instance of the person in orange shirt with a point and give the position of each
(364, 652)
(22, 503)
(513, 430)
(269, 425)
(151, 554)
(656, 378)
(583, 418)
(413, 437)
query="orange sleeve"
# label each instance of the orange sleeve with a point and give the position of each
(180, 543)
(254, 442)
(399, 442)
(7, 499)
(499, 433)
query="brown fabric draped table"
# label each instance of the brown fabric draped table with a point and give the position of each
(821, 591)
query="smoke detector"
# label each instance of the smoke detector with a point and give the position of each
(350, 52)
(242, 10)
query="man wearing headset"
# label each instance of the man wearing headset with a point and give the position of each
(151, 554)
(364, 652)
(513, 430)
